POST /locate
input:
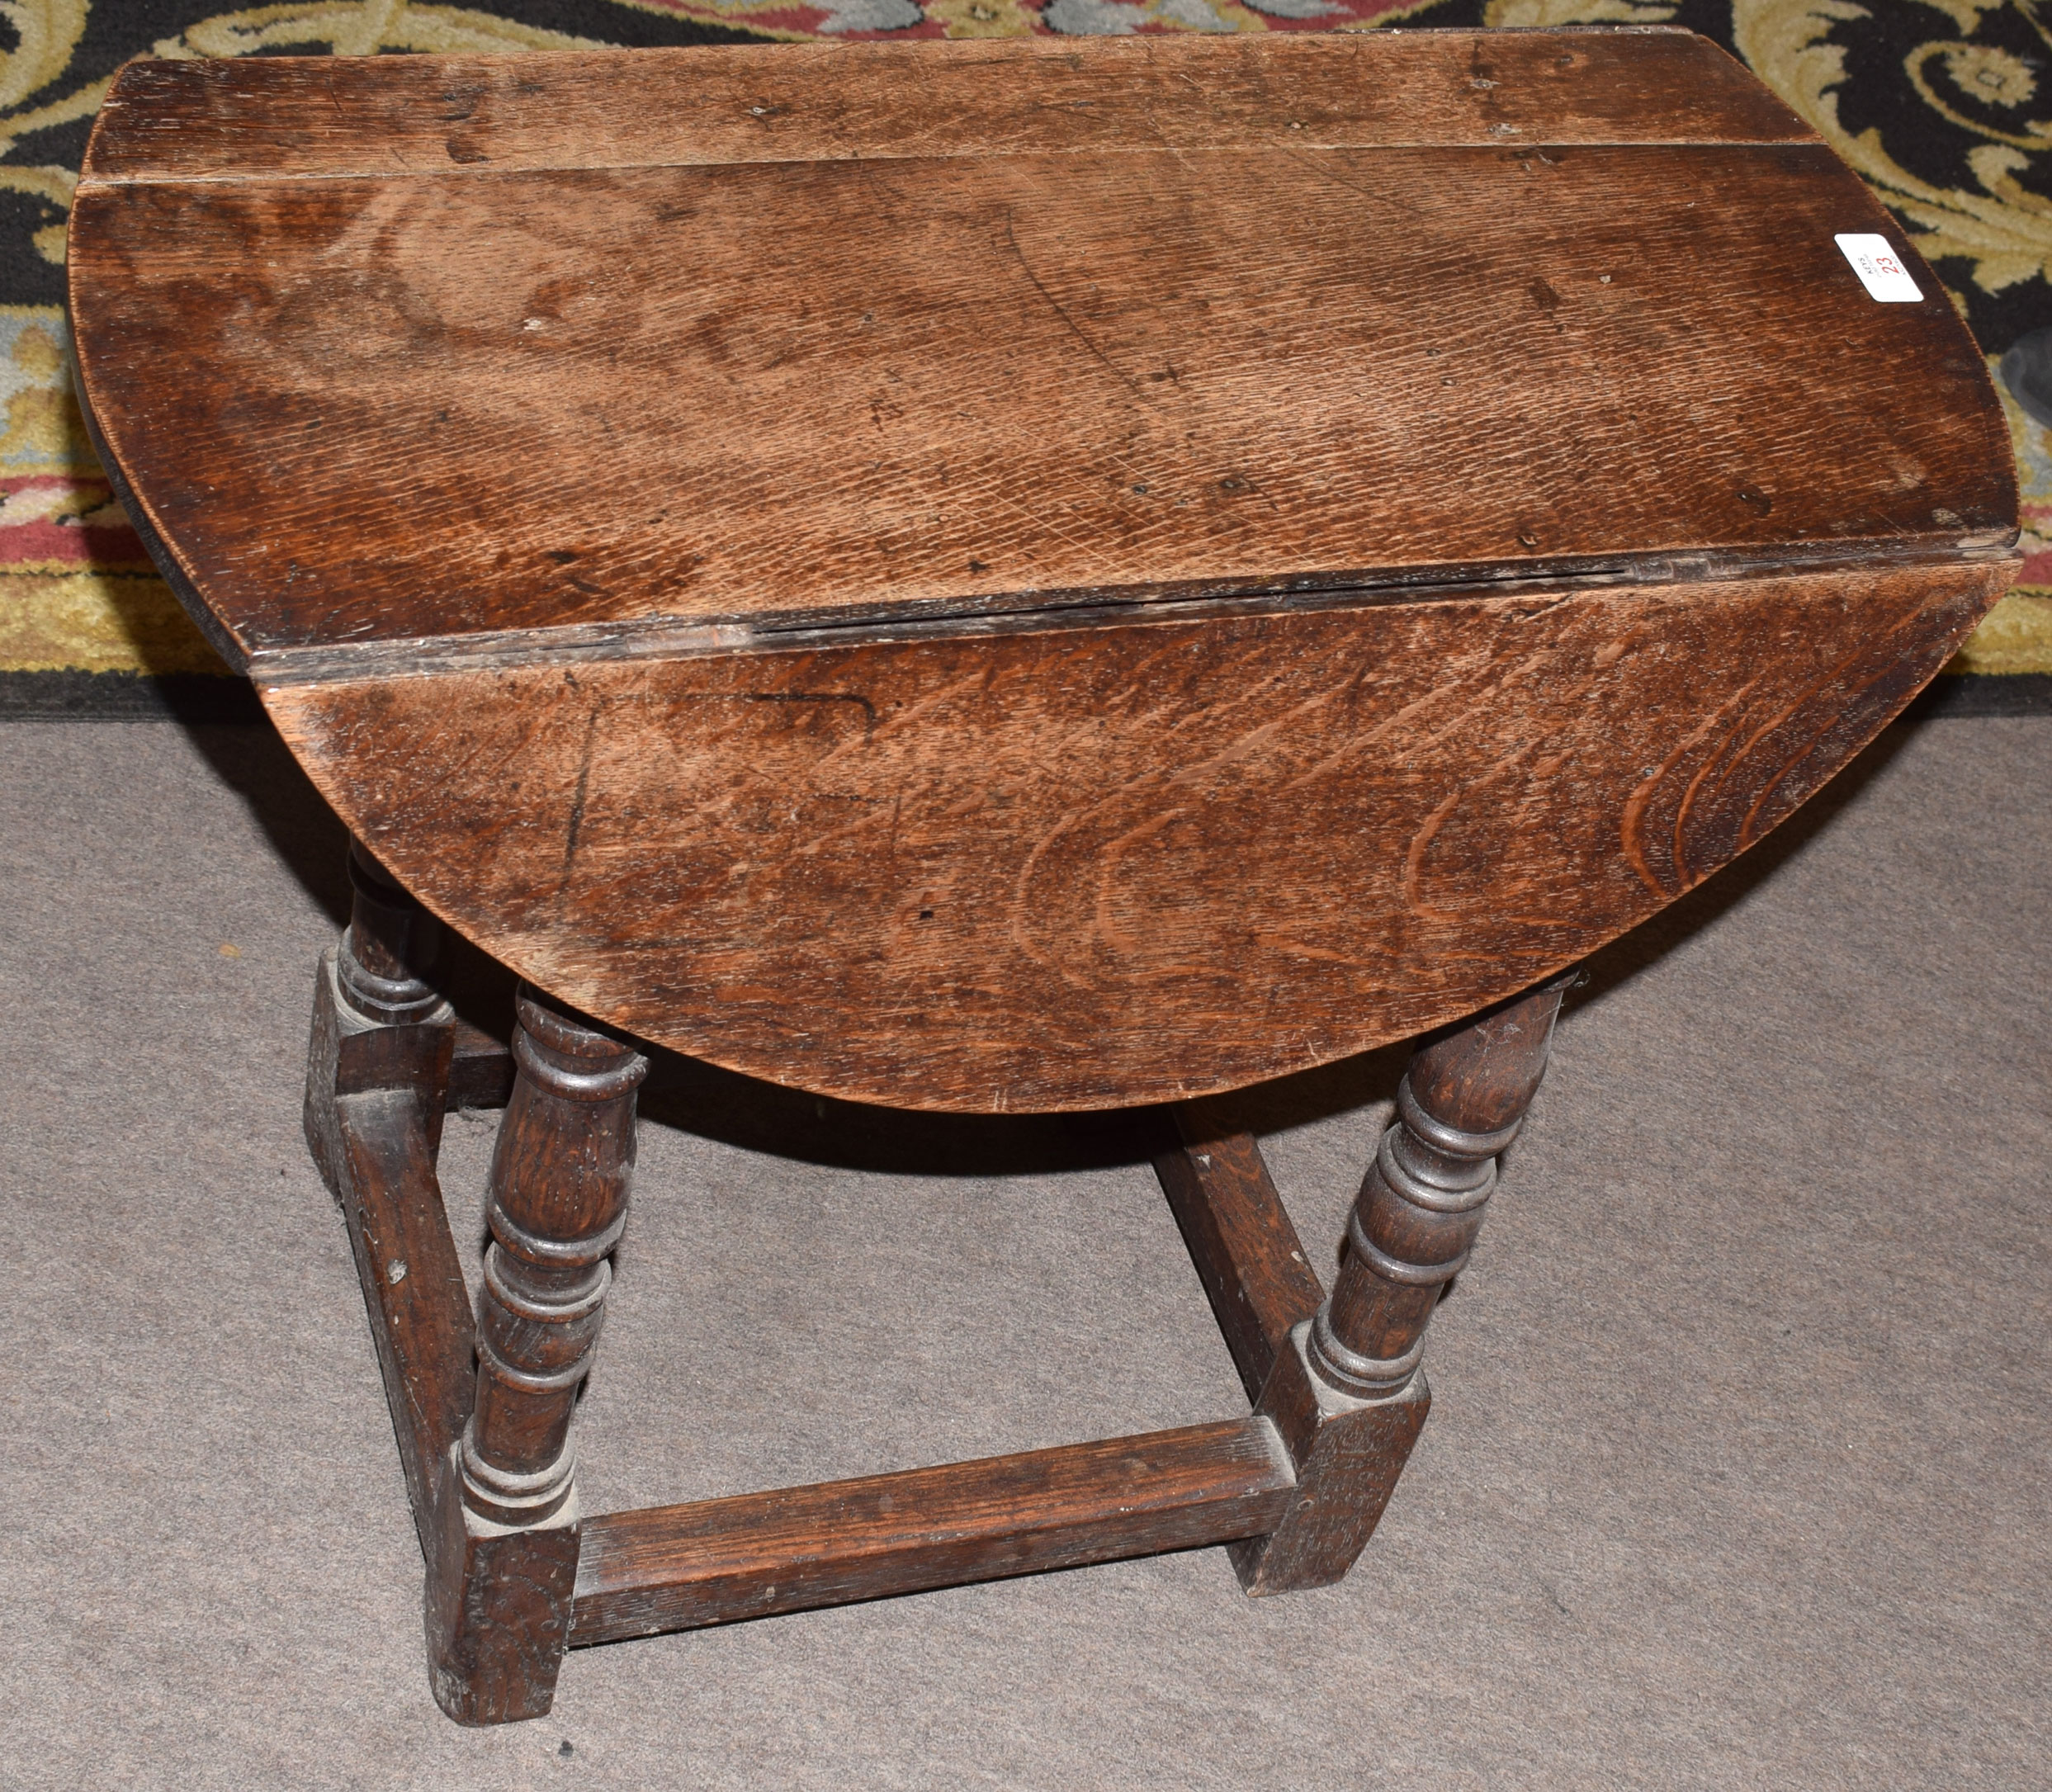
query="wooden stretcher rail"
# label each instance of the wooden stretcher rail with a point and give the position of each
(373, 1119)
(480, 1069)
(676, 1568)
(1246, 1250)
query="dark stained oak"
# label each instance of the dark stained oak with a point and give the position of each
(1348, 1454)
(482, 1412)
(746, 103)
(385, 963)
(1145, 859)
(561, 1169)
(856, 562)
(1347, 1394)
(500, 1590)
(498, 1614)
(1246, 1250)
(383, 1177)
(480, 1071)
(1002, 576)
(675, 1568)
(378, 1067)
(1421, 1205)
(655, 399)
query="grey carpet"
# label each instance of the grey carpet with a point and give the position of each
(1736, 1476)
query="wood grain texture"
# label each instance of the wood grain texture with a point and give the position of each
(1245, 1250)
(1112, 600)
(323, 117)
(1097, 866)
(675, 1568)
(410, 1270)
(371, 408)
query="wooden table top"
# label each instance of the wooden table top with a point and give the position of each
(394, 350)
(1036, 573)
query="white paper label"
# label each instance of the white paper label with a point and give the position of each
(1880, 270)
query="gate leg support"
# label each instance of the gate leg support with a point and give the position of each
(376, 1083)
(504, 1578)
(1348, 1395)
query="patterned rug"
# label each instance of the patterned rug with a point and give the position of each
(1944, 106)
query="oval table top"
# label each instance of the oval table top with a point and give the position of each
(728, 526)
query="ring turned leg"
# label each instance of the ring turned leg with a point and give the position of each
(379, 1021)
(499, 1601)
(1350, 1397)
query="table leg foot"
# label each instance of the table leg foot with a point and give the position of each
(499, 1603)
(1348, 1452)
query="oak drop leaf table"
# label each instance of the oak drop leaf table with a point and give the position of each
(993, 576)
